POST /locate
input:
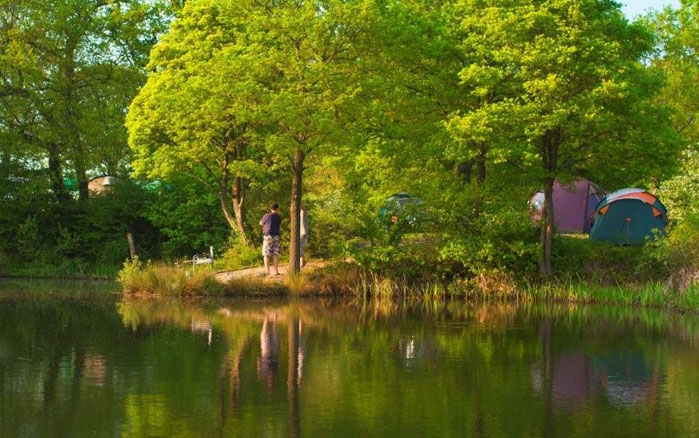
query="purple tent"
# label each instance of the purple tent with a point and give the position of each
(573, 205)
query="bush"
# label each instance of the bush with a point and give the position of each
(28, 241)
(239, 256)
(575, 257)
(505, 242)
(389, 250)
(678, 254)
(160, 279)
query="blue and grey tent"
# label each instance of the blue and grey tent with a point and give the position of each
(629, 217)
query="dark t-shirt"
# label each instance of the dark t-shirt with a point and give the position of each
(271, 222)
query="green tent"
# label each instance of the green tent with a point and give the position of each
(628, 217)
(71, 184)
(398, 203)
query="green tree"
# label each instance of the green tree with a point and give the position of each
(199, 112)
(677, 56)
(235, 83)
(316, 49)
(67, 71)
(577, 91)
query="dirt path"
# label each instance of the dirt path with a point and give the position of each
(260, 273)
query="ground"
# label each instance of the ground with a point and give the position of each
(260, 273)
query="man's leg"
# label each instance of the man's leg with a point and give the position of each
(276, 264)
(266, 264)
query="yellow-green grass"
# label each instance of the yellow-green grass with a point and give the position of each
(349, 280)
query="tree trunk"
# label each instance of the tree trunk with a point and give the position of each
(71, 134)
(480, 164)
(132, 245)
(81, 176)
(463, 171)
(56, 175)
(226, 207)
(550, 144)
(234, 223)
(295, 212)
(239, 207)
(545, 267)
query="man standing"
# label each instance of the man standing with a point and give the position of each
(271, 245)
(303, 234)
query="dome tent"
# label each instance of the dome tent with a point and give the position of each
(399, 203)
(573, 205)
(628, 217)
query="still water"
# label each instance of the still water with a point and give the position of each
(82, 363)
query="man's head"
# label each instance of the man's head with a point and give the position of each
(274, 206)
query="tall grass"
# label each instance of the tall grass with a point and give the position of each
(499, 287)
(350, 280)
(650, 294)
(68, 269)
(160, 279)
(138, 278)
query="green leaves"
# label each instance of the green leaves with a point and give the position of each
(538, 67)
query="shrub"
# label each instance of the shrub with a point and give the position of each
(678, 254)
(504, 241)
(239, 256)
(575, 257)
(28, 241)
(160, 279)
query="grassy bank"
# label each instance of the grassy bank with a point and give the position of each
(651, 294)
(68, 270)
(159, 279)
(351, 281)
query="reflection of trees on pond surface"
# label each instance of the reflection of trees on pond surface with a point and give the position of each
(365, 349)
(167, 368)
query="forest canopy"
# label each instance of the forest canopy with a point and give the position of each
(204, 112)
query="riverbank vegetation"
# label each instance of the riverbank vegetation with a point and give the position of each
(203, 112)
(343, 280)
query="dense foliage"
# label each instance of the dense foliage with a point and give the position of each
(206, 111)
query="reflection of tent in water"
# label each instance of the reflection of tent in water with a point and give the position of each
(624, 377)
(573, 380)
(628, 379)
(573, 205)
(628, 217)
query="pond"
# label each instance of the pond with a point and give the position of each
(77, 362)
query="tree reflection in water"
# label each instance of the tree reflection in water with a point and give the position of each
(166, 368)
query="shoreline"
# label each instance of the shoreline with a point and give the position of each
(348, 280)
(323, 278)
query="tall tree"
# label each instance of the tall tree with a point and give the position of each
(315, 49)
(67, 71)
(677, 56)
(199, 112)
(578, 89)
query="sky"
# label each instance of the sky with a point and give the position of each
(635, 7)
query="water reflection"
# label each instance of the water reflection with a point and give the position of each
(267, 365)
(319, 368)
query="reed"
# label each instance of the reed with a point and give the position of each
(650, 294)
(352, 281)
(139, 278)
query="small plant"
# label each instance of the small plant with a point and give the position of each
(239, 256)
(129, 273)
